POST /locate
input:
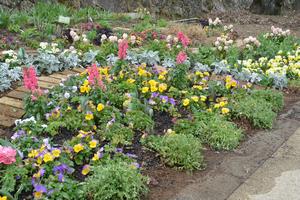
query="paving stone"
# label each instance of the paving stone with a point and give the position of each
(11, 111)
(46, 85)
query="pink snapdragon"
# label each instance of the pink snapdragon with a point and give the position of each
(95, 77)
(123, 46)
(185, 41)
(7, 155)
(181, 57)
(30, 79)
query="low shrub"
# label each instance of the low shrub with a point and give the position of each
(212, 129)
(257, 110)
(115, 180)
(273, 97)
(181, 151)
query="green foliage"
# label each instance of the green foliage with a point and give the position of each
(269, 48)
(275, 98)
(212, 129)
(139, 120)
(117, 134)
(255, 109)
(178, 150)
(115, 180)
(8, 179)
(179, 76)
(205, 55)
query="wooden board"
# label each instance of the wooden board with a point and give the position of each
(16, 95)
(49, 79)
(11, 102)
(45, 85)
(7, 121)
(22, 89)
(58, 76)
(67, 72)
(11, 111)
(78, 70)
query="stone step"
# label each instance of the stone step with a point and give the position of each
(11, 102)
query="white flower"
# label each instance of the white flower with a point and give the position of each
(43, 45)
(44, 126)
(76, 38)
(67, 95)
(125, 36)
(103, 37)
(74, 88)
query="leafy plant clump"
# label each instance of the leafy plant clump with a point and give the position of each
(115, 180)
(257, 110)
(212, 129)
(181, 151)
(271, 96)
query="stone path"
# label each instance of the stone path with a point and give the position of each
(11, 105)
(265, 167)
(278, 178)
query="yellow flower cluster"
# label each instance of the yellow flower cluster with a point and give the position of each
(154, 86)
(186, 101)
(230, 83)
(85, 88)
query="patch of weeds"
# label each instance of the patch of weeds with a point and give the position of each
(178, 150)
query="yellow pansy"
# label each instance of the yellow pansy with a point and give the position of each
(152, 83)
(153, 88)
(48, 157)
(89, 116)
(78, 147)
(199, 74)
(203, 98)
(39, 160)
(100, 107)
(95, 157)
(38, 195)
(222, 103)
(206, 73)
(86, 169)
(225, 111)
(145, 89)
(199, 87)
(33, 154)
(195, 98)
(85, 89)
(93, 144)
(161, 77)
(162, 87)
(3, 198)
(185, 102)
(217, 105)
(130, 80)
(56, 153)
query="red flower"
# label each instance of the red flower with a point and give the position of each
(30, 79)
(185, 41)
(7, 155)
(95, 77)
(181, 57)
(123, 46)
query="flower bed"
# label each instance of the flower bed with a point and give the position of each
(147, 94)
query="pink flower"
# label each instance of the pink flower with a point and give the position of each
(7, 155)
(123, 46)
(30, 80)
(181, 57)
(185, 41)
(95, 77)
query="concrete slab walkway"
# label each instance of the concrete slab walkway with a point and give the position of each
(265, 167)
(278, 178)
